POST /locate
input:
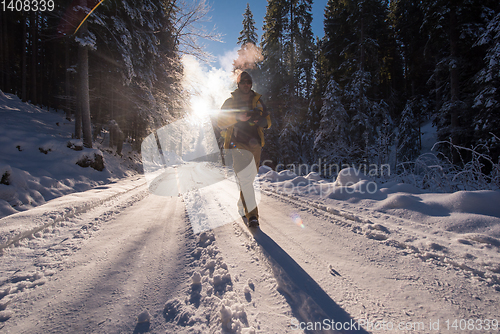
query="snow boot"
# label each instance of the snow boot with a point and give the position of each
(253, 222)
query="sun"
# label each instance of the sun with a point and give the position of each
(200, 108)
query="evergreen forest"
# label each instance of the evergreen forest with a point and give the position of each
(358, 95)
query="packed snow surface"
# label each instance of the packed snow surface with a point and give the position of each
(350, 253)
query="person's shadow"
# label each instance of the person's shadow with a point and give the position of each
(302, 288)
(142, 327)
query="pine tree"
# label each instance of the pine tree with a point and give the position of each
(313, 116)
(486, 99)
(133, 62)
(141, 83)
(274, 74)
(408, 138)
(288, 48)
(358, 58)
(332, 143)
(407, 17)
(300, 47)
(249, 55)
(339, 37)
(273, 66)
(249, 32)
(452, 29)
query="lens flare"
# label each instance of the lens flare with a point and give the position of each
(199, 108)
(87, 17)
(206, 88)
(297, 220)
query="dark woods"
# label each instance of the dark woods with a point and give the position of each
(359, 95)
(382, 70)
(125, 53)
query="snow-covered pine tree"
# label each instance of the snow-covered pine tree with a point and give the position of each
(359, 108)
(133, 58)
(332, 141)
(301, 47)
(288, 48)
(406, 17)
(290, 144)
(136, 64)
(408, 134)
(355, 47)
(321, 79)
(312, 119)
(273, 66)
(452, 29)
(384, 134)
(249, 54)
(339, 34)
(487, 98)
(274, 74)
(249, 33)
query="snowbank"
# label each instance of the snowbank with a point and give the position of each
(463, 212)
(40, 161)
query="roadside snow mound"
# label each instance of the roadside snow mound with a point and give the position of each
(284, 175)
(264, 169)
(474, 202)
(349, 177)
(313, 176)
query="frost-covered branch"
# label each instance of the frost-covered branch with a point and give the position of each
(190, 28)
(435, 172)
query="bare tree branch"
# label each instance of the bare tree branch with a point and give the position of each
(190, 25)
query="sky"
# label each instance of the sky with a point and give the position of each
(227, 17)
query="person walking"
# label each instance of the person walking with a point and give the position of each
(243, 117)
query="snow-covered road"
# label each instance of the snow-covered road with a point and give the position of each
(327, 270)
(115, 259)
(135, 257)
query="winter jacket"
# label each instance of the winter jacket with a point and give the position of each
(253, 127)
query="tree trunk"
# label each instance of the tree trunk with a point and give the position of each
(3, 63)
(78, 110)
(66, 79)
(6, 55)
(42, 97)
(24, 63)
(83, 68)
(292, 51)
(34, 58)
(361, 42)
(437, 98)
(454, 81)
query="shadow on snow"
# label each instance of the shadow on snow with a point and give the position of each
(309, 302)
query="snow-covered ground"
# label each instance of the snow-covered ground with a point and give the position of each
(351, 254)
(38, 157)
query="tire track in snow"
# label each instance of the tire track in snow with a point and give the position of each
(402, 236)
(119, 277)
(62, 213)
(254, 281)
(408, 276)
(31, 262)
